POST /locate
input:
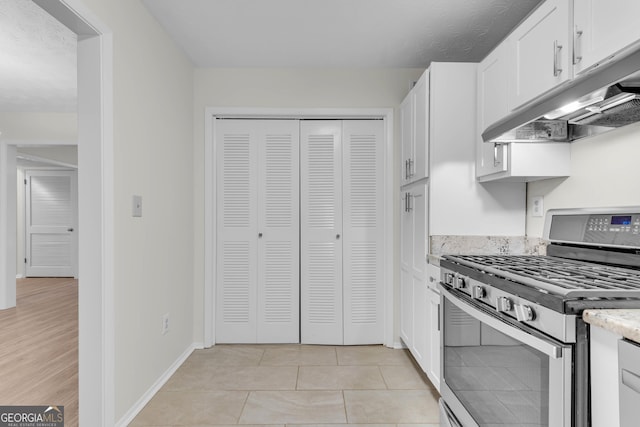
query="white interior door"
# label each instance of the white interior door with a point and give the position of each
(321, 232)
(258, 285)
(363, 219)
(237, 231)
(51, 217)
(279, 232)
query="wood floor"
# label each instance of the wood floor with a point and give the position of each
(39, 346)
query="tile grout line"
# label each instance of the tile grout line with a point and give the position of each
(344, 404)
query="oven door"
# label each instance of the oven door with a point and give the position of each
(497, 371)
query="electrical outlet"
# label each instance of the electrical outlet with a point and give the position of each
(538, 206)
(165, 323)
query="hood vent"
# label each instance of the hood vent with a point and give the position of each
(604, 99)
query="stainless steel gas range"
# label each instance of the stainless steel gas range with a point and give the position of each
(515, 350)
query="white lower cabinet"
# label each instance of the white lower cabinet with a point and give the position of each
(605, 399)
(419, 299)
(433, 312)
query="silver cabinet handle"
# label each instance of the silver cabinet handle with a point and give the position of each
(411, 173)
(496, 158)
(557, 47)
(577, 41)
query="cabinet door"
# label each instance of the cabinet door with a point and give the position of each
(406, 270)
(321, 232)
(602, 29)
(363, 217)
(418, 205)
(493, 105)
(542, 50)
(278, 233)
(420, 162)
(433, 365)
(406, 307)
(236, 231)
(421, 333)
(406, 137)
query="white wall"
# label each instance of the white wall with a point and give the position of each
(153, 157)
(39, 126)
(311, 88)
(67, 154)
(605, 171)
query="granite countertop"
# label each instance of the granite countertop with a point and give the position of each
(625, 322)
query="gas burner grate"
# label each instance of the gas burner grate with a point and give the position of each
(558, 275)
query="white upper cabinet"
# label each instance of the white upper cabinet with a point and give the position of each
(414, 116)
(543, 51)
(493, 104)
(603, 29)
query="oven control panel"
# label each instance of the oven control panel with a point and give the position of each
(606, 229)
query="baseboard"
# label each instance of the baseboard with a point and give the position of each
(19, 276)
(145, 398)
(399, 345)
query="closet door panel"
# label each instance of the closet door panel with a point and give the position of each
(321, 228)
(363, 259)
(279, 233)
(236, 240)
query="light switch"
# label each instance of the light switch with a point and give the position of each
(137, 206)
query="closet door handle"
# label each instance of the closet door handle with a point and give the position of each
(259, 235)
(337, 236)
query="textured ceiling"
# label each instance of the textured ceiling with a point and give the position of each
(337, 33)
(37, 60)
(38, 54)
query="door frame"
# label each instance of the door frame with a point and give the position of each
(95, 211)
(210, 201)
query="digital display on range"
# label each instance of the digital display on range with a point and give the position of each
(621, 220)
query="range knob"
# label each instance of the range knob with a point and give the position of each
(524, 313)
(459, 283)
(448, 278)
(504, 304)
(479, 292)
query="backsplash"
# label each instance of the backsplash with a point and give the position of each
(477, 245)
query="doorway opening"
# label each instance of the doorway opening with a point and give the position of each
(95, 219)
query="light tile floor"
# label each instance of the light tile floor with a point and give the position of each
(295, 386)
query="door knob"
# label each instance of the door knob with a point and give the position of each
(69, 229)
(259, 235)
(337, 236)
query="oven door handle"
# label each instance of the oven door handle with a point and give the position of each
(515, 331)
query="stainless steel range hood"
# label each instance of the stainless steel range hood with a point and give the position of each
(602, 100)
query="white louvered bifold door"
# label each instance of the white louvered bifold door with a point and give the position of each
(51, 212)
(321, 232)
(236, 230)
(279, 233)
(363, 231)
